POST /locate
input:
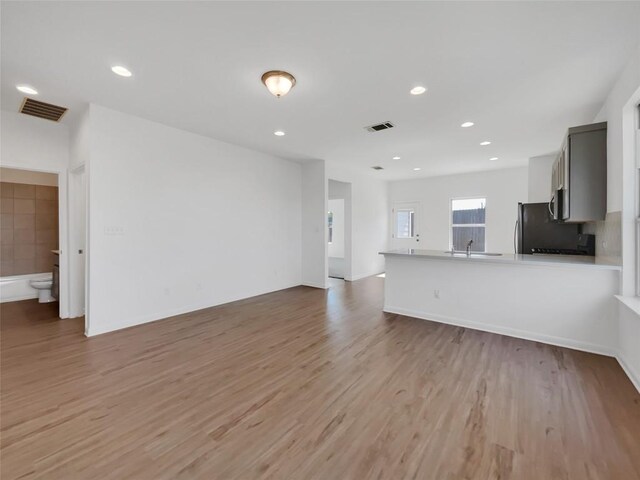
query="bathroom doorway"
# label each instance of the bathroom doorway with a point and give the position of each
(339, 232)
(30, 237)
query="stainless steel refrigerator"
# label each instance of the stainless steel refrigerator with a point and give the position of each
(537, 232)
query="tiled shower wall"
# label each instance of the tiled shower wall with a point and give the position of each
(28, 228)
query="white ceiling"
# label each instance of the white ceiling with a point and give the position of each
(522, 71)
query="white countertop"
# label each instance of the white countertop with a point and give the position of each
(548, 260)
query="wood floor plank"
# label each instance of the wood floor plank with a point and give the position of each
(305, 384)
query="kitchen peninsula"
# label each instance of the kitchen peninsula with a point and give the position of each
(560, 300)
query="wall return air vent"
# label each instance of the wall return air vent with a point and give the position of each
(379, 127)
(42, 110)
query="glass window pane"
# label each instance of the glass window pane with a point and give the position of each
(468, 210)
(462, 235)
(404, 223)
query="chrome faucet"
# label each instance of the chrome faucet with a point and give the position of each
(469, 247)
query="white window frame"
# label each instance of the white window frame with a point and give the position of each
(637, 199)
(412, 227)
(451, 224)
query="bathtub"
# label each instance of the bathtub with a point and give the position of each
(17, 287)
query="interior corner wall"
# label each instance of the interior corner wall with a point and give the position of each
(32, 143)
(369, 221)
(314, 224)
(181, 222)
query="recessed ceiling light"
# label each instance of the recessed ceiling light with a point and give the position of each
(417, 169)
(493, 159)
(485, 143)
(396, 158)
(120, 70)
(419, 90)
(27, 89)
(279, 133)
(467, 124)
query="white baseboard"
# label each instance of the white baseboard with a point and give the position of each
(510, 332)
(18, 298)
(93, 330)
(633, 375)
(353, 278)
(314, 285)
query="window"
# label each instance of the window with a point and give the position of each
(405, 224)
(468, 223)
(330, 223)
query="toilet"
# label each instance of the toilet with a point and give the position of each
(43, 285)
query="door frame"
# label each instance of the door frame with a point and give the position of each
(63, 230)
(74, 309)
(417, 218)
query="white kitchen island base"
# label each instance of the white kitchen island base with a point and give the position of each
(555, 301)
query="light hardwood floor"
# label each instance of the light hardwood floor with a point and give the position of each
(306, 384)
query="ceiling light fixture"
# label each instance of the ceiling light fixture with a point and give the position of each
(27, 89)
(396, 158)
(122, 71)
(485, 143)
(278, 82)
(467, 124)
(417, 169)
(419, 90)
(493, 159)
(279, 133)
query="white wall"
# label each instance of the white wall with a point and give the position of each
(503, 189)
(612, 112)
(629, 339)
(41, 145)
(314, 224)
(180, 222)
(540, 178)
(33, 143)
(369, 221)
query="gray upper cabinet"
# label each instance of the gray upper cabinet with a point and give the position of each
(579, 175)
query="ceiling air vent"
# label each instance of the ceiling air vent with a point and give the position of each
(42, 110)
(380, 126)
(377, 167)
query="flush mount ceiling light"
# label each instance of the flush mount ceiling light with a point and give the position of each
(467, 124)
(419, 90)
(120, 70)
(417, 169)
(279, 133)
(485, 143)
(278, 82)
(396, 158)
(493, 159)
(27, 89)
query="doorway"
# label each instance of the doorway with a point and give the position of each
(31, 238)
(405, 225)
(339, 232)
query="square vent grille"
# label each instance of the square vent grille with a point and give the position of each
(42, 110)
(377, 167)
(379, 127)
